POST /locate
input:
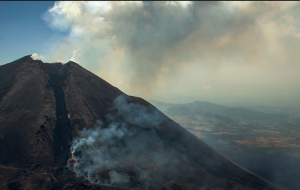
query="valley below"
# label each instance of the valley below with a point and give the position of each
(267, 144)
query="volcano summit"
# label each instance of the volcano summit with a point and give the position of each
(62, 127)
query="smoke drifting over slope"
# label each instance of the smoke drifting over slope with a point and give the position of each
(242, 50)
(140, 147)
(118, 146)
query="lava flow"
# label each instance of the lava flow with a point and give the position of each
(74, 162)
(88, 179)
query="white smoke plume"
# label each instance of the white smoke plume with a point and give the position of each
(242, 49)
(118, 147)
(35, 56)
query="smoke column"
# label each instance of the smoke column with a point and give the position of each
(127, 146)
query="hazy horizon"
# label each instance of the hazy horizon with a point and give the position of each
(229, 53)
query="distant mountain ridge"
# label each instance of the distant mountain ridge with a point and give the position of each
(207, 108)
(276, 110)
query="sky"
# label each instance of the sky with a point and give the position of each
(230, 53)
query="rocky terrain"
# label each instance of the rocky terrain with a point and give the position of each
(46, 109)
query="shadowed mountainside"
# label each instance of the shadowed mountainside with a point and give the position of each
(43, 108)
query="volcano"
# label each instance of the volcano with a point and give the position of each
(48, 109)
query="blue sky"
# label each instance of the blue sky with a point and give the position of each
(22, 30)
(221, 52)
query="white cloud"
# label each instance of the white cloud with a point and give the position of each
(149, 45)
(35, 56)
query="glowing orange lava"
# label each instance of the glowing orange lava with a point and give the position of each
(88, 179)
(74, 161)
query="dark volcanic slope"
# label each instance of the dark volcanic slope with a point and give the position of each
(44, 106)
(27, 113)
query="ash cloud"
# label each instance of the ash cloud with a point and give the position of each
(126, 146)
(245, 50)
